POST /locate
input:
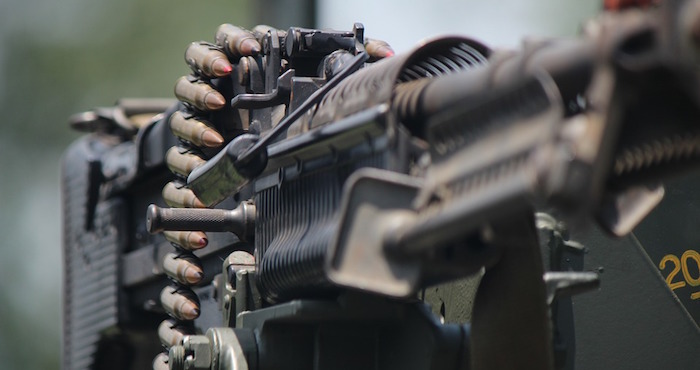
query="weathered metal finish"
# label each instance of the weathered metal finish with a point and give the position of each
(240, 221)
(307, 328)
(219, 177)
(570, 125)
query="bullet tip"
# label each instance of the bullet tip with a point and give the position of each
(190, 312)
(249, 46)
(196, 203)
(221, 67)
(211, 139)
(197, 240)
(194, 313)
(214, 101)
(193, 277)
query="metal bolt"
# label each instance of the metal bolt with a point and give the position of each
(176, 358)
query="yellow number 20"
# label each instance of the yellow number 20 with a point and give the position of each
(679, 265)
(676, 268)
(690, 254)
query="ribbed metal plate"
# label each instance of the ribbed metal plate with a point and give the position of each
(90, 260)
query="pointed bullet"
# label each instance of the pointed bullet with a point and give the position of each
(199, 94)
(378, 49)
(194, 131)
(181, 162)
(221, 67)
(180, 303)
(211, 138)
(180, 197)
(207, 59)
(185, 268)
(249, 46)
(171, 332)
(236, 41)
(160, 362)
(190, 240)
(214, 101)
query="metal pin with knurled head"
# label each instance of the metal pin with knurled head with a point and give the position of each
(240, 221)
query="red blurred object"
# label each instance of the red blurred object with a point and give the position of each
(623, 4)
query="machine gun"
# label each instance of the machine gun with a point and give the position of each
(346, 188)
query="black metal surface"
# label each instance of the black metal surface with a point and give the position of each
(374, 86)
(248, 157)
(511, 299)
(297, 199)
(671, 238)
(633, 321)
(292, 236)
(90, 257)
(355, 332)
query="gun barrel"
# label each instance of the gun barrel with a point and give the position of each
(570, 63)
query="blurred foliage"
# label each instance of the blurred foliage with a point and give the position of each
(58, 58)
(57, 65)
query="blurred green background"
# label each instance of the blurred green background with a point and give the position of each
(58, 58)
(62, 57)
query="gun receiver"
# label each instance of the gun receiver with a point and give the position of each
(345, 187)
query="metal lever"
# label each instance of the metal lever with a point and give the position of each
(278, 96)
(569, 283)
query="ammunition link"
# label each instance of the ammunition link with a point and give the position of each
(195, 132)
